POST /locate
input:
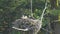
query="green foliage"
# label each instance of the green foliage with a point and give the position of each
(37, 13)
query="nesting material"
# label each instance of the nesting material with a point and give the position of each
(27, 24)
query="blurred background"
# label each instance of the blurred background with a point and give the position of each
(10, 10)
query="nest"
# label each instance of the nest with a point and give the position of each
(32, 25)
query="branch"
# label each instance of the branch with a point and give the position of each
(20, 29)
(43, 11)
(56, 21)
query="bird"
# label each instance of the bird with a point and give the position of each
(27, 24)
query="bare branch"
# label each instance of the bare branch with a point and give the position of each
(20, 29)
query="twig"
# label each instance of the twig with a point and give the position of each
(56, 21)
(20, 29)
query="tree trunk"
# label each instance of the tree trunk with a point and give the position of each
(54, 4)
(57, 28)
